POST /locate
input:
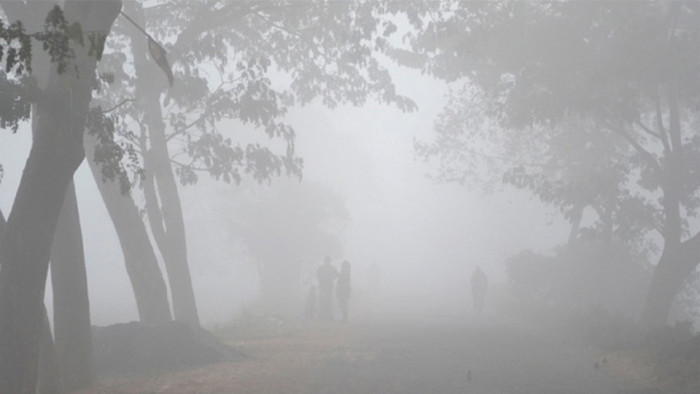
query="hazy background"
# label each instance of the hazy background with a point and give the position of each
(425, 237)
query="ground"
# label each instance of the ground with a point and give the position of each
(450, 353)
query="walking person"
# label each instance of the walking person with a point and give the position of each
(327, 274)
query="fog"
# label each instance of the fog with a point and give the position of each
(426, 237)
(542, 143)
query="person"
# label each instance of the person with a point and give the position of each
(343, 289)
(327, 275)
(479, 288)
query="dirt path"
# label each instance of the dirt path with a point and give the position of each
(401, 355)
(453, 357)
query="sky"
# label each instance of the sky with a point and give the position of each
(425, 237)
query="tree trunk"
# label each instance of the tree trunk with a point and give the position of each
(57, 150)
(71, 305)
(674, 265)
(162, 197)
(141, 262)
(24, 253)
(665, 284)
(50, 381)
(169, 233)
(671, 272)
(48, 375)
(576, 217)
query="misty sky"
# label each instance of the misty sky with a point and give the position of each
(425, 237)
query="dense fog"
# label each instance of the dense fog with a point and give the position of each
(349, 196)
(425, 237)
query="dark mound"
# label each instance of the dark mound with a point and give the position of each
(133, 349)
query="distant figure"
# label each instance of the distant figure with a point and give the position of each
(326, 274)
(310, 311)
(479, 287)
(343, 289)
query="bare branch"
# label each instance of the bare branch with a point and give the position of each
(648, 157)
(227, 15)
(660, 124)
(117, 106)
(648, 130)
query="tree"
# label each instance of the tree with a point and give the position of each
(625, 71)
(104, 157)
(56, 152)
(72, 330)
(179, 131)
(288, 229)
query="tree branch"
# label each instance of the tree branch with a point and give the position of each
(660, 124)
(216, 18)
(117, 106)
(314, 48)
(190, 166)
(648, 157)
(674, 126)
(691, 249)
(647, 129)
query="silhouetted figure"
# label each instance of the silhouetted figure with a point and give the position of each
(310, 311)
(479, 287)
(326, 274)
(343, 289)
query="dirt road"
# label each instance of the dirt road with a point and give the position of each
(438, 354)
(443, 356)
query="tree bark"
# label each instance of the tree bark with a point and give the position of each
(673, 269)
(49, 376)
(71, 305)
(50, 381)
(162, 198)
(665, 283)
(674, 266)
(57, 150)
(141, 262)
(168, 228)
(576, 217)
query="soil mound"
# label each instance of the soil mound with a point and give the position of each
(136, 349)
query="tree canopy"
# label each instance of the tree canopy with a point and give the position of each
(580, 103)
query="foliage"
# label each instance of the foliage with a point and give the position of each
(118, 160)
(240, 66)
(582, 275)
(15, 48)
(18, 91)
(582, 104)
